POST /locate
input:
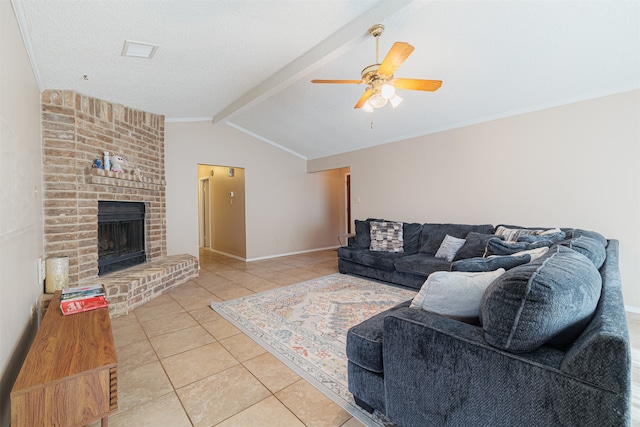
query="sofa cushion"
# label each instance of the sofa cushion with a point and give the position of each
(449, 247)
(381, 260)
(548, 301)
(455, 294)
(577, 232)
(500, 247)
(421, 264)
(411, 237)
(433, 234)
(589, 247)
(362, 238)
(364, 340)
(475, 245)
(491, 263)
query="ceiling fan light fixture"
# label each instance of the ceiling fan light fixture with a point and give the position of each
(387, 91)
(377, 101)
(367, 108)
(395, 100)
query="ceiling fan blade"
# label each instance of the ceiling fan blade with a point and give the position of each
(417, 84)
(366, 95)
(398, 53)
(343, 82)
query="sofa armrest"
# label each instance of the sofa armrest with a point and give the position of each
(439, 371)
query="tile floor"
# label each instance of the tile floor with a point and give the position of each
(182, 364)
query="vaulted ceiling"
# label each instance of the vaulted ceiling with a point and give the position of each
(248, 63)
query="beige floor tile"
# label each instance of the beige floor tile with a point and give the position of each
(192, 298)
(121, 321)
(236, 292)
(274, 374)
(128, 334)
(134, 355)
(205, 314)
(269, 412)
(180, 341)
(311, 406)
(234, 275)
(193, 365)
(220, 396)
(157, 311)
(242, 347)
(221, 329)
(352, 422)
(162, 411)
(174, 323)
(141, 385)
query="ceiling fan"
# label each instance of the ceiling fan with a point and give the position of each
(381, 84)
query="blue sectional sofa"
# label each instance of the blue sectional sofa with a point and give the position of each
(550, 346)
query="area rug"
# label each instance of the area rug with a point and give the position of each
(305, 326)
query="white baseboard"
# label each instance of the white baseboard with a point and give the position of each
(632, 309)
(271, 256)
(292, 253)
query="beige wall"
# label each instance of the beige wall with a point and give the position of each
(574, 166)
(287, 210)
(21, 233)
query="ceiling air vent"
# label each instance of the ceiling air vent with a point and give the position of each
(138, 50)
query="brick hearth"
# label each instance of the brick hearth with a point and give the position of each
(76, 129)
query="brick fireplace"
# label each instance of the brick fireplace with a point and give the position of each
(76, 129)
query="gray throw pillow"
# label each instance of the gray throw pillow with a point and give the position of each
(449, 247)
(454, 294)
(548, 301)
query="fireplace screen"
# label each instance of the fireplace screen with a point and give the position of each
(120, 235)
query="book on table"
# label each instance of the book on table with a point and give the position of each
(82, 298)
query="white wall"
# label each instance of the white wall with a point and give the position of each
(572, 166)
(287, 209)
(21, 233)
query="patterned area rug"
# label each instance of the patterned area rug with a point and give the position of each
(305, 326)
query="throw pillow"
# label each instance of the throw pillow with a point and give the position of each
(491, 263)
(449, 247)
(553, 236)
(454, 294)
(548, 301)
(500, 247)
(533, 253)
(512, 234)
(475, 245)
(386, 237)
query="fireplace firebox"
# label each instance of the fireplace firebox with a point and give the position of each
(121, 236)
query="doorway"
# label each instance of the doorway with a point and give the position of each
(221, 210)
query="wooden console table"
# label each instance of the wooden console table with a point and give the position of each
(69, 377)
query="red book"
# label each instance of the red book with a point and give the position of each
(85, 304)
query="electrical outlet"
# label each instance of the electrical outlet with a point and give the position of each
(41, 270)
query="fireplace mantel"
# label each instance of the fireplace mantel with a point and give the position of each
(119, 179)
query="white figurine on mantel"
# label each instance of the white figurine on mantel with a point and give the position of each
(117, 163)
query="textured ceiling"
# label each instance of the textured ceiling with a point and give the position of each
(249, 63)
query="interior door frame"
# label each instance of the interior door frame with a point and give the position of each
(204, 212)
